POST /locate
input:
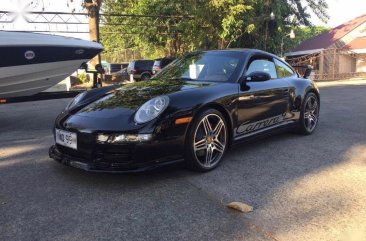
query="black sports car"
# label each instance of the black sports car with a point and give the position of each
(191, 111)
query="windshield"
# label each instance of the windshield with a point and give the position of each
(204, 66)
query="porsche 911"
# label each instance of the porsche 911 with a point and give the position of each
(193, 111)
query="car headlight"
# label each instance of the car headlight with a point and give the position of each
(75, 101)
(151, 109)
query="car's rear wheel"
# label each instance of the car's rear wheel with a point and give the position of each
(207, 141)
(145, 77)
(309, 116)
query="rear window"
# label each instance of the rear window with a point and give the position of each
(157, 62)
(131, 65)
(144, 64)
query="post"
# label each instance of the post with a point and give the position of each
(334, 62)
(93, 7)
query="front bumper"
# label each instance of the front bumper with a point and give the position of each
(166, 146)
(100, 164)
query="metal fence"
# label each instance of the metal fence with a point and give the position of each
(122, 56)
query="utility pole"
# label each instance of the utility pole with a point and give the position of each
(93, 8)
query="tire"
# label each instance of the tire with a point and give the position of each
(309, 116)
(145, 77)
(204, 151)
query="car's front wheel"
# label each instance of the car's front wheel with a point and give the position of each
(207, 141)
(309, 116)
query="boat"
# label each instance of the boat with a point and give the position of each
(33, 62)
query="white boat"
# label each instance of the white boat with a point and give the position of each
(31, 62)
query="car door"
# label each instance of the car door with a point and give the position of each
(262, 105)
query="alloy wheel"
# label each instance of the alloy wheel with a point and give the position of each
(311, 113)
(210, 140)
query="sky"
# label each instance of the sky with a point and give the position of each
(340, 11)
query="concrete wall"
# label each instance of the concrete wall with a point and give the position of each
(346, 64)
(361, 64)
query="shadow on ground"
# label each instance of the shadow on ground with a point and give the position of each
(302, 187)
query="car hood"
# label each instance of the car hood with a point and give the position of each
(128, 98)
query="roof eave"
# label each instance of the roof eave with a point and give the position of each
(304, 52)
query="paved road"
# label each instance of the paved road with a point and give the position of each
(302, 188)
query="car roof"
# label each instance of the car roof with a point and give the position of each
(143, 60)
(244, 50)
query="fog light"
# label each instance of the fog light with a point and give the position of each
(123, 138)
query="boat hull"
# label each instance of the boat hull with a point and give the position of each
(31, 63)
(31, 79)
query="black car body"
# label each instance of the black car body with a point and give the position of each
(140, 69)
(226, 97)
(159, 64)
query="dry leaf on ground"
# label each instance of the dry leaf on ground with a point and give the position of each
(239, 206)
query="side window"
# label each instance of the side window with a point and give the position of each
(144, 65)
(283, 70)
(150, 65)
(263, 65)
(138, 64)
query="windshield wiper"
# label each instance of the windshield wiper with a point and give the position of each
(184, 79)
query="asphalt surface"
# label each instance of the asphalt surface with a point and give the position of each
(301, 187)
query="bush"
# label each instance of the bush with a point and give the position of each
(83, 77)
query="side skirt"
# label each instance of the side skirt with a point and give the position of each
(289, 125)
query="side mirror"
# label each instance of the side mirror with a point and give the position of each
(257, 76)
(307, 71)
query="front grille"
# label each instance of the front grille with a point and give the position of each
(71, 152)
(107, 155)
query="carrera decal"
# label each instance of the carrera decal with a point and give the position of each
(249, 127)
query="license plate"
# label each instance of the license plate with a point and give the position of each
(66, 138)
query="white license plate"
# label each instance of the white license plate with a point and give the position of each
(66, 138)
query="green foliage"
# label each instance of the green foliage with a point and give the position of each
(302, 34)
(205, 24)
(83, 77)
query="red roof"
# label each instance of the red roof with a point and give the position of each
(358, 43)
(326, 39)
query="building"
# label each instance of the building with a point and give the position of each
(337, 54)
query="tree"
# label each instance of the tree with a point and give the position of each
(302, 33)
(172, 27)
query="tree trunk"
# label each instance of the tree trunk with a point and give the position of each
(93, 7)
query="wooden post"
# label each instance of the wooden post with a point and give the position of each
(93, 7)
(334, 62)
(321, 64)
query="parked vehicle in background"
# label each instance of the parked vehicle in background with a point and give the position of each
(115, 67)
(106, 66)
(121, 75)
(159, 64)
(140, 69)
